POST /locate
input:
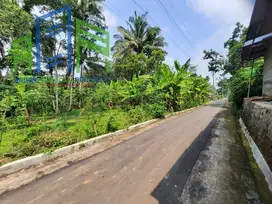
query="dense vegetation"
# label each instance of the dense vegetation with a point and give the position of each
(236, 87)
(57, 111)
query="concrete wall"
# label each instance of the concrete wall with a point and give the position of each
(267, 80)
(257, 117)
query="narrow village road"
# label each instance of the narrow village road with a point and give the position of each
(152, 167)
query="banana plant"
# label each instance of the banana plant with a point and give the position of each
(8, 101)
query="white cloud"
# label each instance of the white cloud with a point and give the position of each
(224, 11)
(111, 19)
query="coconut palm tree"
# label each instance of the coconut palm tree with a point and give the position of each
(138, 38)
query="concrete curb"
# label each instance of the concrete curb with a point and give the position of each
(34, 160)
(257, 155)
(27, 162)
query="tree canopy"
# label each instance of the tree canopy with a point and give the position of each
(138, 38)
(235, 45)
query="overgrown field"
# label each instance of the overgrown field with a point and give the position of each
(31, 126)
(46, 136)
(48, 109)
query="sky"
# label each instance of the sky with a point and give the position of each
(206, 24)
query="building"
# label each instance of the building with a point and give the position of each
(259, 41)
(257, 112)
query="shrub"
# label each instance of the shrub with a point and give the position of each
(81, 131)
(137, 115)
(27, 149)
(36, 130)
(117, 120)
(59, 124)
(49, 139)
(156, 110)
(11, 140)
(100, 124)
(111, 125)
(20, 120)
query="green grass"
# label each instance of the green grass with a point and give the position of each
(55, 133)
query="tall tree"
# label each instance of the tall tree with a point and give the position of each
(235, 45)
(87, 10)
(138, 38)
(215, 61)
(14, 22)
(223, 87)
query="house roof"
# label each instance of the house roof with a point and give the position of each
(260, 30)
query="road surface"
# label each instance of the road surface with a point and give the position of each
(152, 167)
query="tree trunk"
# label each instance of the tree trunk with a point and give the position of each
(27, 116)
(56, 95)
(4, 118)
(71, 91)
(80, 98)
(213, 73)
(57, 102)
(71, 96)
(95, 130)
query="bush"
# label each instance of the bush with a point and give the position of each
(117, 120)
(81, 131)
(156, 110)
(59, 124)
(36, 130)
(111, 125)
(49, 139)
(11, 141)
(238, 84)
(27, 149)
(137, 115)
(100, 124)
(20, 120)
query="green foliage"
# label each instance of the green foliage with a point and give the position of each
(81, 131)
(14, 21)
(36, 130)
(116, 120)
(215, 60)
(156, 110)
(139, 38)
(223, 87)
(137, 64)
(59, 124)
(235, 45)
(138, 114)
(55, 112)
(238, 83)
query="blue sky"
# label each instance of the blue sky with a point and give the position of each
(206, 23)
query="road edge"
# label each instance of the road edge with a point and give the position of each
(257, 155)
(232, 180)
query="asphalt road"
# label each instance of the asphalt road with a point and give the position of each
(152, 167)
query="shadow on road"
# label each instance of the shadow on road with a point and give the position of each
(168, 191)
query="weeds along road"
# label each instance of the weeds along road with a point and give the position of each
(152, 167)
